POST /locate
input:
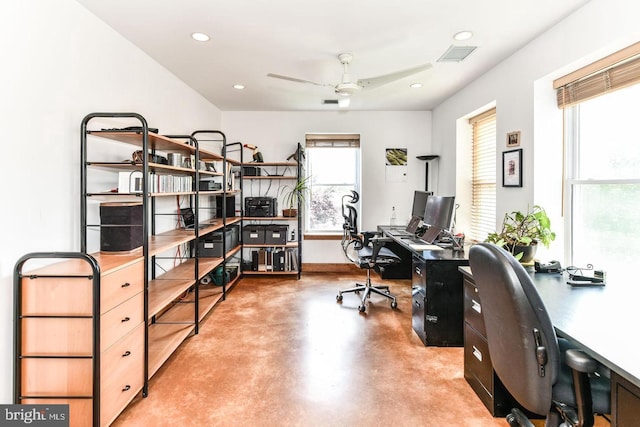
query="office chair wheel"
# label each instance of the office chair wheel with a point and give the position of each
(394, 305)
(362, 308)
(339, 298)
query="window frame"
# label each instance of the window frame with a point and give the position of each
(333, 142)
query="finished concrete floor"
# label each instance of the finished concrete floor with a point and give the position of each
(283, 352)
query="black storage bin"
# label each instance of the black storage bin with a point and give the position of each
(276, 234)
(121, 226)
(253, 235)
(210, 245)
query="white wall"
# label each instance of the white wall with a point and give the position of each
(524, 98)
(60, 63)
(277, 133)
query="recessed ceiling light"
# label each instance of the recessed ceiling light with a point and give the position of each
(415, 85)
(463, 35)
(201, 37)
(239, 87)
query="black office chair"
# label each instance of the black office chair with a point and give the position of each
(367, 251)
(541, 371)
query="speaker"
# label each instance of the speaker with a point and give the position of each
(120, 226)
(230, 206)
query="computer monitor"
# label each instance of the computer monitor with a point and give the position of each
(438, 211)
(438, 214)
(420, 203)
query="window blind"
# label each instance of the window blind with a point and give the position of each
(617, 71)
(483, 176)
(332, 140)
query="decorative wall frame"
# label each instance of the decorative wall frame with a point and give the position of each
(513, 139)
(512, 168)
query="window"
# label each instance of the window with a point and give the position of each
(333, 163)
(602, 190)
(483, 175)
(604, 180)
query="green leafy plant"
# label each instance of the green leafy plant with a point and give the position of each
(296, 193)
(524, 229)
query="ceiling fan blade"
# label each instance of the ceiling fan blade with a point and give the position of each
(374, 82)
(293, 79)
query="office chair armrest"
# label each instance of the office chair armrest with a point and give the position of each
(580, 361)
(368, 235)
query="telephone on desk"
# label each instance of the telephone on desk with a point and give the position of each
(550, 267)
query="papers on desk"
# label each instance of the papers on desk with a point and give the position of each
(425, 247)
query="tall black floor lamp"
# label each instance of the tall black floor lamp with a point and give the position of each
(427, 159)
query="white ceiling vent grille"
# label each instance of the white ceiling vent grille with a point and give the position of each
(457, 53)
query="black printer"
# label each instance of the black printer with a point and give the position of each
(261, 206)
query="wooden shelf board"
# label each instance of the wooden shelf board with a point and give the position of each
(292, 164)
(269, 177)
(159, 167)
(269, 273)
(287, 245)
(270, 218)
(164, 339)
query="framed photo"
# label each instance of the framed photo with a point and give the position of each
(513, 139)
(512, 168)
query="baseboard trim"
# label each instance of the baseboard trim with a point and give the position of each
(329, 268)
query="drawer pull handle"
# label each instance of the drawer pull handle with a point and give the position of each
(476, 306)
(126, 284)
(126, 388)
(477, 353)
(126, 319)
(126, 353)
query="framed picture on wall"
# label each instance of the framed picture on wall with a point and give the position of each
(512, 168)
(513, 139)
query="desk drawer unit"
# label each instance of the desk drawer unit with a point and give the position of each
(478, 369)
(437, 313)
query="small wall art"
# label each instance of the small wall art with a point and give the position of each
(513, 139)
(512, 168)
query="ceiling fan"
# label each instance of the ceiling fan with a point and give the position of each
(347, 87)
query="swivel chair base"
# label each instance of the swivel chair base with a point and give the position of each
(368, 289)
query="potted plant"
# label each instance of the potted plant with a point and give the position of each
(294, 194)
(521, 233)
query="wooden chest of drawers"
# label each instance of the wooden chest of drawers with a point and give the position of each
(60, 308)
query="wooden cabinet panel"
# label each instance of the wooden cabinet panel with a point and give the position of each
(60, 377)
(57, 336)
(121, 374)
(121, 320)
(121, 285)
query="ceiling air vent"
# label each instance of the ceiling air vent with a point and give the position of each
(329, 102)
(457, 53)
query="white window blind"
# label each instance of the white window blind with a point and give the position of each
(483, 177)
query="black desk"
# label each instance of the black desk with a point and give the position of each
(603, 321)
(437, 304)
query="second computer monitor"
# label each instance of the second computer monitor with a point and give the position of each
(439, 211)
(419, 203)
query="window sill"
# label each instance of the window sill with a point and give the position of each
(323, 236)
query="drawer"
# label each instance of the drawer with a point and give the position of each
(120, 285)
(473, 308)
(120, 320)
(476, 359)
(417, 313)
(122, 374)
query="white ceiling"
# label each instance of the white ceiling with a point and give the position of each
(302, 38)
